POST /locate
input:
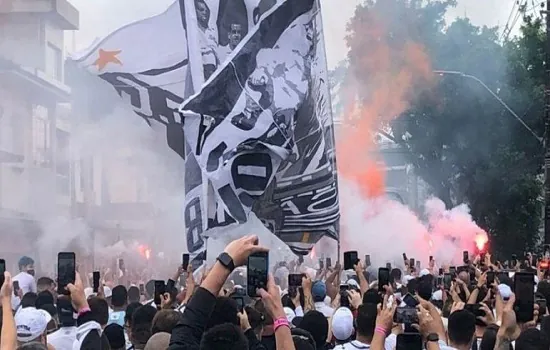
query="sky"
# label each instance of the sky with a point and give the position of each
(100, 17)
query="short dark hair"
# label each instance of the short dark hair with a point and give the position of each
(532, 339)
(225, 336)
(100, 310)
(165, 321)
(396, 274)
(119, 296)
(317, 325)
(303, 340)
(29, 300)
(130, 309)
(366, 320)
(461, 327)
(133, 294)
(115, 335)
(225, 311)
(44, 298)
(142, 319)
(25, 261)
(44, 283)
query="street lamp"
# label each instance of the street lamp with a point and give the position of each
(518, 118)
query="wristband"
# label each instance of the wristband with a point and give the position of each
(83, 311)
(280, 322)
(380, 330)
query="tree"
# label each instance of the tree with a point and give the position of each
(463, 143)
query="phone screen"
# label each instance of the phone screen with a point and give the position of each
(431, 258)
(465, 256)
(2, 270)
(66, 271)
(257, 269)
(141, 289)
(184, 261)
(404, 257)
(440, 272)
(452, 270)
(412, 262)
(524, 284)
(96, 281)
(383, 278)
(240, 303)
(328, 263)
(160, 289)
(388, 266)
(410, 300)
(121, 264)
(490, 278)
(321, 264)
(418, 265)
(367, 260)
(405, 315)
(447, 280)
(15, 287)
(295, 279)
(409, 341)
(350, 259)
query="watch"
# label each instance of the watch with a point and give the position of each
(226, 261)
(432, 337)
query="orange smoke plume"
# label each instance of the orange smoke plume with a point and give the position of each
(379, 85)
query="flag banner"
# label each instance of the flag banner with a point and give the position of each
(256, 56)
(261, 131)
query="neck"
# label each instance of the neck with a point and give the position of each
(460, 347)
(363, 339)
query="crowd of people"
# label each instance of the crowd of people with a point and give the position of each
(332, 308)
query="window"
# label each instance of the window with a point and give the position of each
(41, 142)
(54, 62)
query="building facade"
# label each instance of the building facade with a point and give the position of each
(34, 179)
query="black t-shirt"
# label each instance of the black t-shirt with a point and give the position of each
(269, 342)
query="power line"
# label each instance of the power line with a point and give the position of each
(514, 2)
(520, 10)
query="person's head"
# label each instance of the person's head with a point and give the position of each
(225, 336)
(159, 340)
(115, 335)
(140, 330)
(461, 328)
(366, 321)
(235, 35)
(225, 311)
(464, 276)
(260, 307)
(44, 298)
(45, 284)
(317, 325)
(52, 311)
(119, 297)
(203, 13)
(31, 325)
(133, 295)
(396, 275)
(165, 321)
(532, 339)
(100, 310)
(319, 291)
(130, 309)
(26, 264)
(342, 324)
(255, 318)
(29, 300)
(303, 340)
(489, 338)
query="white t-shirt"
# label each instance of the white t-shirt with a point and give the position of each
(63, 338)
(324, 309)
(26, 282)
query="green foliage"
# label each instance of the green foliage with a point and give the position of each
(463, 143)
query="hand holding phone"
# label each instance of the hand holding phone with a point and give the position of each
(257, 270)
(66, 271)
(383, 279)
(350, 259)
(95, 282)
(160, 289)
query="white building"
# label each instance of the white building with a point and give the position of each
(33, 180)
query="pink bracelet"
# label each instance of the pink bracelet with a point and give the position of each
(280, 322)
(83, 311)
(380, 330)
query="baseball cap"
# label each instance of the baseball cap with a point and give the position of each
(319, 291)
(31, 323)
(342, 324)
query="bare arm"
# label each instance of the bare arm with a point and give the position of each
(8, 334)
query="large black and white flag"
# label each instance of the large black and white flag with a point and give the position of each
(259, 133)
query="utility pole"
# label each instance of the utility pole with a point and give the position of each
(547, 130)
